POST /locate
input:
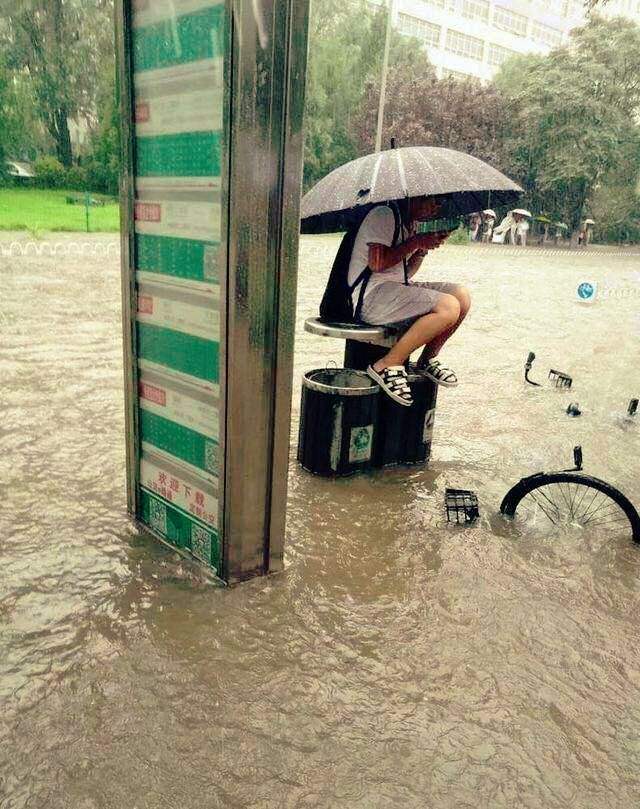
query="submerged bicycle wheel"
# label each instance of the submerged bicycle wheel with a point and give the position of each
(572, 499)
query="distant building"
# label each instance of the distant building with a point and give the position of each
(20, 170)
(474, 37)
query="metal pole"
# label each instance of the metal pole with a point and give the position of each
(385, 70)
(263, 185)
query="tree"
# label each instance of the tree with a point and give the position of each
(572, 116)
(61, 46)
(424, 111)
(103, 160)
(615, 203)
(616, 210)
(346, 43)
(20, 131)
(6, 118)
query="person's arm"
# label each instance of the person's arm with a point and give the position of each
(382, 258)
(415, 262)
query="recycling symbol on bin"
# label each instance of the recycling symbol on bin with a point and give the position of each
(361, 439)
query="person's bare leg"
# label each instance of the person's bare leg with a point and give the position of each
(444, 315)
(461, 294)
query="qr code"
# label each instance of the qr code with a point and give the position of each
(158, 516)
(211, 457)
(201, 543)
(210, 263)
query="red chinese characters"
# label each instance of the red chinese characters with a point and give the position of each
(153, 394)
(143, 112)
(145, 304)
(148, 212)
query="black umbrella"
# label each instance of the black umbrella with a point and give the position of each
(459, 182)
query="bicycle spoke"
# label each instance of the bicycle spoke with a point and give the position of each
(559, 485)
(598, 516)
(567, 496)
(576, 489)
(596, 508)
(610, 522)
(543, 509)
(554, 516)
(584, 494)
(570, 499)
(551, 502)
(608, 506)
(596, 493)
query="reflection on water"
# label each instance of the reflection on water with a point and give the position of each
(398, 661)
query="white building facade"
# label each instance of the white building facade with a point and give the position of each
(474, 37)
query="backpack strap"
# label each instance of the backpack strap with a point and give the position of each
(399, 231)
(362, 280)
(397, 221)
(396, 234)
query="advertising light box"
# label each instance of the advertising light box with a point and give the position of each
(212, 94)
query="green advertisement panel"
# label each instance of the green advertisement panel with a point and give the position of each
(177, 58)
(212, 101)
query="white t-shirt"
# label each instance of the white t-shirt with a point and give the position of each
(378, 226)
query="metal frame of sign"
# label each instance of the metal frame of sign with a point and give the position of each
(208, 422)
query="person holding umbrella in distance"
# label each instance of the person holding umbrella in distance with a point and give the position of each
(488, 222)
(378, 201)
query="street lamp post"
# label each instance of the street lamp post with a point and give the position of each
(385, 70)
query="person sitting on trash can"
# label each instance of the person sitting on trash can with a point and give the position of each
(431, 311)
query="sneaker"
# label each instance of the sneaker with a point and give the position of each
(437, 373)
(393, 381)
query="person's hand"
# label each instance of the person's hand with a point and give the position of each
(430, 241)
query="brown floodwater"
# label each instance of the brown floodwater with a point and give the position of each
(398, 662)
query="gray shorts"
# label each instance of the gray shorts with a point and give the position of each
(392, 303)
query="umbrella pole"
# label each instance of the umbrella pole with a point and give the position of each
(383, 83)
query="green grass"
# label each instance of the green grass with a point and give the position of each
(39, 210)
(459, 236)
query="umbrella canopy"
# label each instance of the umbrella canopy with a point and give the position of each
(461, 184)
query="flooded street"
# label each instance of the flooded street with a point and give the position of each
(399, 661)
